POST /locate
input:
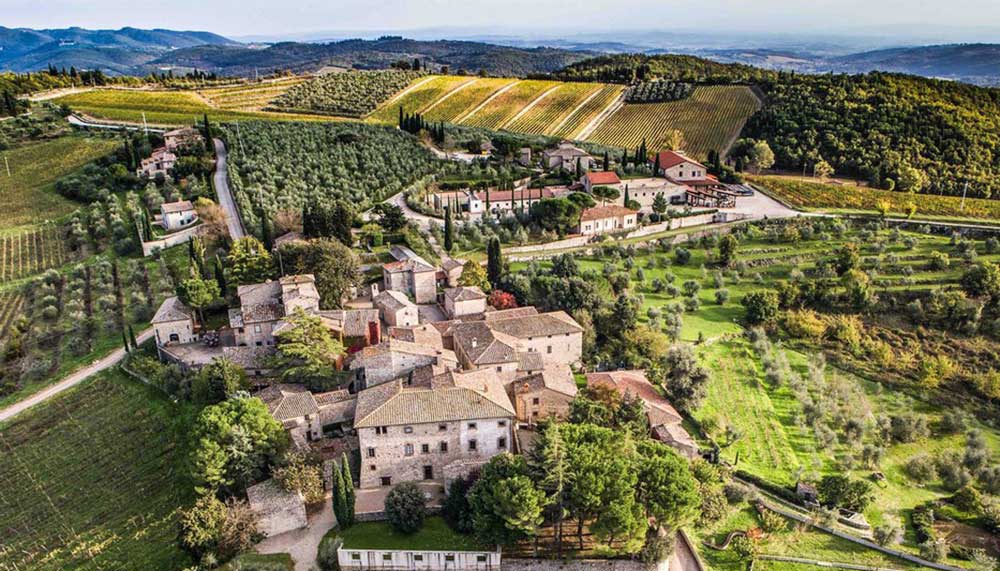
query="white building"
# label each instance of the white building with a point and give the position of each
(177, 215)
(566, 156)
(357, 559)
(606, 219)
(462, 301)
(677, 166)
(603, 178)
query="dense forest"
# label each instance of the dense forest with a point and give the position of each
(628, 68)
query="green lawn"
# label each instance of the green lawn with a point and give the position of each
(27, 193)
(93, 479)
(435, 535)
(258, 562)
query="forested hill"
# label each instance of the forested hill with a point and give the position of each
(374, 54)
(975, 63)
(893, 130)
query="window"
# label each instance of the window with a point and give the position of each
(256, 328)
(386, 480)
(502, 442)
(499, 369)
(407, 430)
(425, 448)
(535, 400)
(383, 430)
(449, 558)
(387, 557)
(473, 446)
(175, 338)
(443, 447)
(481, 558)
(548, 349)
(356, 556)
(418, 557)
(502, 423)
(371, 452)
(371, 467)
(442, 427)
(472, 426)
(408, 449)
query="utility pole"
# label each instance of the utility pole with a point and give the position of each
(965, 189)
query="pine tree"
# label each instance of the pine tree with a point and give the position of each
(558, 476)
(132, 339)
(494, 261)
(345, 468)
(448, 230)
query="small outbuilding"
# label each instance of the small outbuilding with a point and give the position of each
(277, 509)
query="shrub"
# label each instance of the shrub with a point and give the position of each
(721, 296)
(934, 550)
(804, 324)
(921, 468)
(887, 534)
(406, 508)
(713, 504)
(761, 306)
(908, 427)
(772, 522)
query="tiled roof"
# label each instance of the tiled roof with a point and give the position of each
(658, 408)
(172, 309)
(606, 211)
(603, 177)
(266, 292)
(180, 206)
(530, 361)
(508, 313)
(539, 325)
(262, 312)
(294, 287)
(673, 433)
(250, 357)
(482, 345)
(558, 378)
(566, 150)
(410, 265)
(468, 293)
(336, 406)
(287, 402)
(670, 159)
(351, 322)
(393, 345)
(390, 300)
(426, 335)
(392, 404)
(449, 264)
(183, 132)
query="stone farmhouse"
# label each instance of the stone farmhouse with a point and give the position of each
(395, 358)
(182, 138)
(174, 323)
(497, 342)
(644, 191)
(439, 428)
(675, 165)
(411, 275)
(566, 156)
(607, 219)
(462, 301)
(306, 415)
(160, 162)
(177, 215)
(703, 189)
(664, 420)
(543, 393)
(396, 309)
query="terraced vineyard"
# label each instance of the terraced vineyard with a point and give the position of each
(249, 96)
(461, 102)
(710, 119)
(554, 108)
(163, 107)
(422, 93)
(587, 111)
(507, 105)
(11, 304)
(31, 252)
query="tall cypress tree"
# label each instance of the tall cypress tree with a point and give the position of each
(338, 492)
(627, 198)
(607, 161)
(125, 341)
(656, 166)
(488, 200)
(132, 339)
(348, 480)
(448, 230)
(220, 275)
(208, 130)
(401, 124)
(494, 261)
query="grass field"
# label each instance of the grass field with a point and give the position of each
(92, 480)
(435, 535)
(710, 119)
(248, 96)
(163, 107)
(27, 193)
(815, 195)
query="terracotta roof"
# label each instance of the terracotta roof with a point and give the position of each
(565, 149)
(392, 404)
(670, 159)
(350, 322)
(607, 211)
(539, 325)
(287, 402)
(507, 195)
(426, 335)
(558, 378)
(179, 206)
(183, 132)
(482, 345)
(467, 293)
(393, 345)
(603, 177)
(172, 309)
(674, 434)
(250, 357)
(658, 408)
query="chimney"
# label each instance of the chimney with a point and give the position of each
(475, 342)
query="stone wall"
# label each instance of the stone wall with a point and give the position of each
(512, 564)
(556, 349)
(180, 237)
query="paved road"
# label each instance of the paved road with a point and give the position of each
(71, 381)
(233, 219)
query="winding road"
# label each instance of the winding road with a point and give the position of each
(221, 179)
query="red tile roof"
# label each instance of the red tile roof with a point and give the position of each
(507, 195)
(658, 408)
(605, 177)
(670, 159)
(602, 212)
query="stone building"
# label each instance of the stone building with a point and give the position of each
(448, 424)
(160, 162)
(182, 138)
(174, 323)
(463, 301)
(394, 358)
(452, 270)
(496, 341)
(177, 215)
(396, 309)
(602, 178)
(675, 165)
(413, 277)
(278, 510)
(538, 395)
(566, 156)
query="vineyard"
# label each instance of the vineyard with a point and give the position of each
(708, 120)
(463, 101)
(11, 304)
(91, 480)
(556, 106)
(351, 94)
(163, 107)
(34, 167)
(816, 195)
(248, 96)
(32, 252)
(508, 104)
(586, 112)
(421, 94)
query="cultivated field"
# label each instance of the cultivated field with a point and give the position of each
(507, 105)
(461, 102)
(248, 96)
(550, 111)
(422, 93)
(26, 194)
(11, 305)
(850, 198)
(31, 252)
(708, 120)
(163, 107)
(92, 481)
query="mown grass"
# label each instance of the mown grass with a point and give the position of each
(435, 535)
(93, 479)
(169, 108)
(27, 194)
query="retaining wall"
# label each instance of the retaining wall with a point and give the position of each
(179, 237)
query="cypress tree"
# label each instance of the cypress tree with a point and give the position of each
(579, 168)
(656, 166)
(132, 339)
(125, 341)
(338, 492)
(401, 125)
(494, 261)
(488, 200)
(266, 231)
(448, 230)
(607, 161)
(220, 275)
(626, 197)
(348, 480)
(208, 129)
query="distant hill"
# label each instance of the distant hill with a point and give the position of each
(123, 51)
(372, 54)
(967, 62)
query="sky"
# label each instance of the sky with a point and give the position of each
(958, 20)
